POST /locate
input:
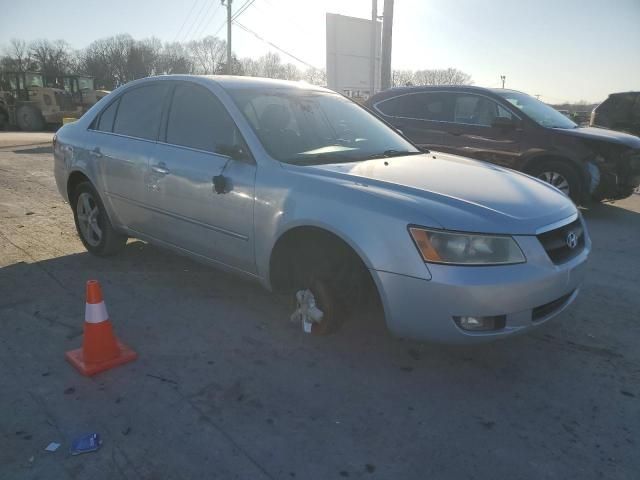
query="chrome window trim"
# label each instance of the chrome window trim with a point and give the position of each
(122, 135)
(509, 108)
(198, 150)
(248, 161)
(558, 224)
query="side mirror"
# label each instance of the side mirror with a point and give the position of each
(504, 123)
(235, 152)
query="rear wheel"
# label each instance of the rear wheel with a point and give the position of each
(561, 175)
(93, 226)
(29, 118)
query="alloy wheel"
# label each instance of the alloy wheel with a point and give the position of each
(88, 214)
(557, 180)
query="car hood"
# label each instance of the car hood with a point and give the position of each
(457, 193)
(602, 134)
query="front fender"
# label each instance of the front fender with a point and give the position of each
(372, 226)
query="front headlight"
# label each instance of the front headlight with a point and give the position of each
(438, 246)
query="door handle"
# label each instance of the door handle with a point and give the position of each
(160, 169)
(456, 134)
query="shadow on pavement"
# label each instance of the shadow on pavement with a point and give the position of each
(233, 386)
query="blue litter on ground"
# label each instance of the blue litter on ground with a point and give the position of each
(86, 443)
(52, 447)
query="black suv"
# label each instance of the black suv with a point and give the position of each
(621, 111)
(515, 130)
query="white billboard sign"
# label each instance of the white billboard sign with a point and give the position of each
(349, 55)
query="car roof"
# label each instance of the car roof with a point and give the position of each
(237, 82)
(624, 93)
(392, 92)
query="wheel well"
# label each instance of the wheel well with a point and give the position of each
(75, 179)
(318, 247)
(535, 161)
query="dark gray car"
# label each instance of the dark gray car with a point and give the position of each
(515, 130)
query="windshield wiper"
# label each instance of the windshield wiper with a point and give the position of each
(320, 159)
(391, 153)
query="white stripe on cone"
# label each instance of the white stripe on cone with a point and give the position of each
(95, 312)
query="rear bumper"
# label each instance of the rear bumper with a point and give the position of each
(528, 295)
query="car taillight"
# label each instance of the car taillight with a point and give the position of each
(55, 139)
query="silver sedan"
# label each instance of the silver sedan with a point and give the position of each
(306, 192)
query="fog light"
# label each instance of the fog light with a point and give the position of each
(481, 324)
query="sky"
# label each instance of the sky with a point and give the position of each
(562, 50)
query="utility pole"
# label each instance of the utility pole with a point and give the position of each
(374, 47)
(228, 34)
(385, 60)
(503, 78)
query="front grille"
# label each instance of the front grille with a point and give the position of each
(557, 245)
(548, 308)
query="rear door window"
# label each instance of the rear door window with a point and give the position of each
(140, 111)
(435, 106)
(198, 120)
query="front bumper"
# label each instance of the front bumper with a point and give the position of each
(528, 294)
(619, 179)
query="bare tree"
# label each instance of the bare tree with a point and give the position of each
(53, 59)
(174, 58)
(449, 76)
(142, 58)
(315, 76)
(208, 55)
(402, 78)
(17, 57)
(250, 67)
(289, 71)
(119, 59)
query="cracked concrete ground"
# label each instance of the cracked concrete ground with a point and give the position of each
(225, 387)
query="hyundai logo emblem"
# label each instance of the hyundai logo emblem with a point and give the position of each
(572, 240)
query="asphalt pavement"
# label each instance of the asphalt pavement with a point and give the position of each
(227, 387)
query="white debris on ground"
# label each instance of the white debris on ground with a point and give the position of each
(307, 311)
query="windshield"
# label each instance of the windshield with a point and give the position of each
(85, 83)
(308, 127)
(33, 80)
(539, 112)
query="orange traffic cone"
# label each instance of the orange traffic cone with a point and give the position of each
(101, 350)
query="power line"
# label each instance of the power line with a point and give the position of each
(239, 12)
(206, 24)
(224, 22)
(196, 20)
(185, 19)
(203, 20)
(246, 29)
(242, 9)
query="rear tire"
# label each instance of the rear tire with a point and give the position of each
(29, 118)
(92, 223)
(561, 175)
